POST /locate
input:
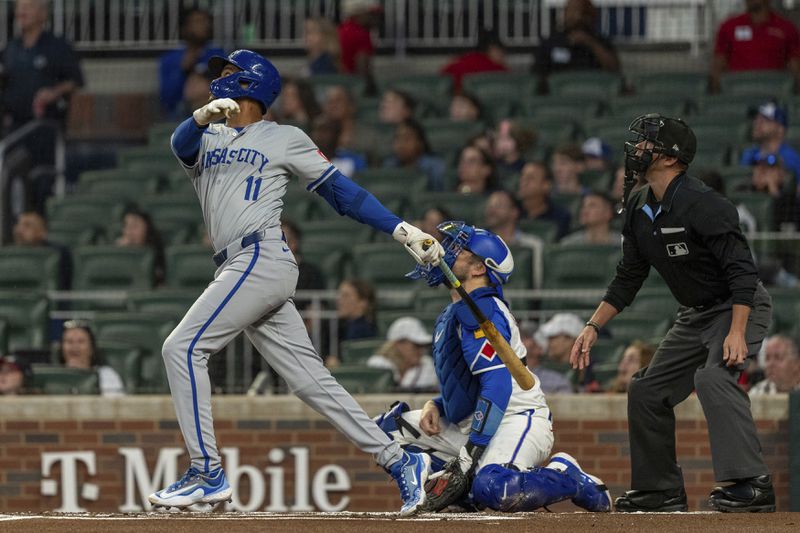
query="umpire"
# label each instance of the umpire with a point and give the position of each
(691, 236)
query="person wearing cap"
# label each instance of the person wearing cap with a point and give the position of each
(13, 373)
(770, 176)
(551, 381)
(404, 352)
(758, 39)
(560, 332)
(597, 154)
(691, 236)
(770, 124)
(355, 38)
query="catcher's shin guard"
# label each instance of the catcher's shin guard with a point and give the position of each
(509, 490)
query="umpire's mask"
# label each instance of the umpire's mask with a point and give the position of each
(668, 136)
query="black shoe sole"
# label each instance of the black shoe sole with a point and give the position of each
(677, 508)
(719, 506)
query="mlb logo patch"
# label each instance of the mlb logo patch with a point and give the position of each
(486, 351)
(677, 249)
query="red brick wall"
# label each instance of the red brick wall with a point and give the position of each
(601, 446)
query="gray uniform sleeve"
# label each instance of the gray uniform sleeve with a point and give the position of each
(305, 160)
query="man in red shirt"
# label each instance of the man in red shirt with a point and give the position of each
(355, 39)
(489, 57)
(758, 39)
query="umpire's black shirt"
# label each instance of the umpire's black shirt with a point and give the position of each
(692, 238)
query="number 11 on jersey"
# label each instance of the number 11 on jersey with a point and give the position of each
(250, 188)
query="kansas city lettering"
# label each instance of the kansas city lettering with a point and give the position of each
(223, 156)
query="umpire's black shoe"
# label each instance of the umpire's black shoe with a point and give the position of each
(753, 495)
(652, 501)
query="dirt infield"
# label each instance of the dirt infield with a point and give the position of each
(378, 522)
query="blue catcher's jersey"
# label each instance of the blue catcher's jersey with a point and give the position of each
(464, 358)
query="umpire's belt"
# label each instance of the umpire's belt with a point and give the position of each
(712, 303)
(237, 246)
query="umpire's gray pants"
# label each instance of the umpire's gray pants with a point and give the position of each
(690, 357)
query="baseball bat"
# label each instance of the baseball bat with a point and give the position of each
(521, 375)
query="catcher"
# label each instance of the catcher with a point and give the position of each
(485, 435)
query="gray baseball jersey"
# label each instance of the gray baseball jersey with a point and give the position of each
(240, 178)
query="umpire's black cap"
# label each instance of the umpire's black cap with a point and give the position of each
(672, 135)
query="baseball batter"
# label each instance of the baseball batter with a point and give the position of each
(240, 171)
(484, 433)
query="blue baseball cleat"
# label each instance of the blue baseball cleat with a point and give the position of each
(194, 491)
(410, 473)
(592, 493)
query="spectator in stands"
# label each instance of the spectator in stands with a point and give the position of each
(195, 90)
(309, 276)
(502, 214)
(355, 307)
(79, 350)
(477, 173)
(410, 149)
(769, 132)
(340, 106)
(322, 47)
(431, 218)
(465, 107)
(355, 39)
(14, 372)
(297, 103)
(576, 46)
(405, 353)
(757, 39)
(636, 356)
(396, 107)
(511, 141)
(597, 154)
(535, 187)
(192, 57)
(483, 140)
(40, 71)
(138, 230)
(489, 56)
(31, 230)
(561, 331)
(325, 132)
(597, 212)
(771, 177)
(551, 381)
(781, 367)
(566, 164)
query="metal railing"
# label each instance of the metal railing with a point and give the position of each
(11, 141)
(269, 24)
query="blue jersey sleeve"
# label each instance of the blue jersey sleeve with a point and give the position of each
(348, 198)
(186, 141)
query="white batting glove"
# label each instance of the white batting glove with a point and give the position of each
(422, 246)
(216, 110)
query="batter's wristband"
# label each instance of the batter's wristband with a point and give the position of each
(595, 325)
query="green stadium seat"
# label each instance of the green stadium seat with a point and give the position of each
(711, 158)
(429, 88)
(367, 109)
(466, 207)
(384, 264)
(25, 315)
(158, 159)
(492, 87)
(431, 299)
(71, 235)
(570, 202)
(29, 268)
(612, 130)
(126, 359)
(593, 83)
(159, 134)
(375, 141)
(111, 267)
(579, 266)
(356, 352)
(759, 205)
(631, 326)
(567, 107)
(599, 180)
(364, 380)
(343, 230)
(547, 230)
(690, 84)
(785, 305)
(522, 277)
(322, 82)
(778, 83)
(727, 104)
(630, 107)
(654, 302)
(83, 210)
(121, 189)
(57, 379)
(189, 266)
(428, 318)
(3, 336)
(334, 262)
(410, 180)
(550, 130)
(172, 303)
(445, 135)
(607, 351)
(165, 208)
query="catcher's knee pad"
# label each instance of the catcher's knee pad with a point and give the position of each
(506, 489)
(389, 421)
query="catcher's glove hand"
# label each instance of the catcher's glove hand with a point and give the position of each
(451, 484)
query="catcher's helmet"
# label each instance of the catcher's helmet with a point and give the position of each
(483, 243)
(258, 78)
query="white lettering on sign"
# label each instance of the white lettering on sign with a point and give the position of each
(139, 481)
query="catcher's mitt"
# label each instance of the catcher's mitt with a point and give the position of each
(453, 483)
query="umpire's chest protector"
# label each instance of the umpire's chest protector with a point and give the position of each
(459, 387)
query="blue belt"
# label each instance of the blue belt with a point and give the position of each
(246, 241)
